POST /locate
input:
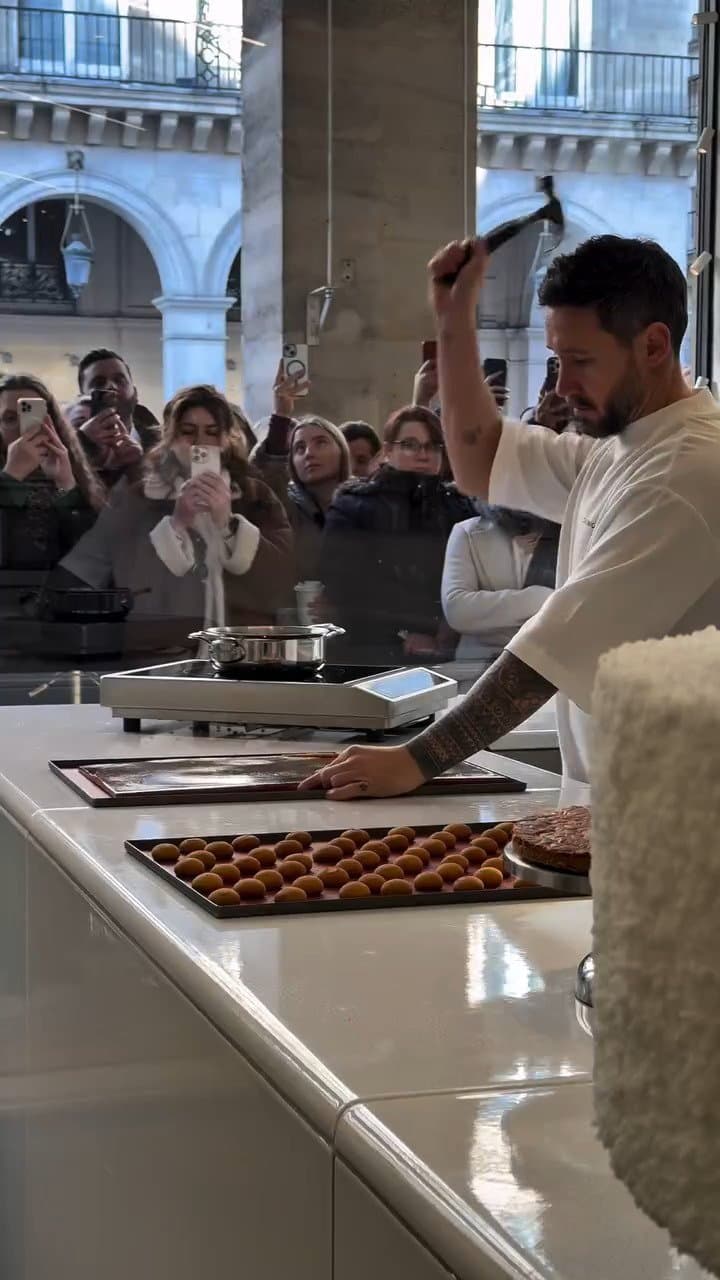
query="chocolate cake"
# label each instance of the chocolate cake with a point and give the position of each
(560, 839)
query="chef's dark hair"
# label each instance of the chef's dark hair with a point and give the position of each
(93, 357)
(629, 283)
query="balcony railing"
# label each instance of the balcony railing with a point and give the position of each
(641, 86)
(126, 49)
(22, 282)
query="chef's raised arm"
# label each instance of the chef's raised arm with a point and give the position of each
(526, 467)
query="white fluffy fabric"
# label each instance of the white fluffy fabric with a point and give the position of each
(173, 546)
(656, 892)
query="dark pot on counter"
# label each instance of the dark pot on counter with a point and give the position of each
(231, 649)
(85, 604)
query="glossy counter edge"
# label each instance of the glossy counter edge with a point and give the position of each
(468, 1241)
(232, 1008)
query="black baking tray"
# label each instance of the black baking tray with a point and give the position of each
(470, 780)
(141, 850)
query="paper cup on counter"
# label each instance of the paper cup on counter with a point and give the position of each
(306, 595)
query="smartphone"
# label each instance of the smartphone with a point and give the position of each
(31, 414)
(429, 350)
(497, 370)
(552, 368)
(101, 398)
(295, 361)
(205, 457)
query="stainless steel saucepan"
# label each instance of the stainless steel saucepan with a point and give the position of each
(231, 649)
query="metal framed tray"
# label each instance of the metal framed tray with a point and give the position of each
(141, 850)
(271, 775)
(568, 883)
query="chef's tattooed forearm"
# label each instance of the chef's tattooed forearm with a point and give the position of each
(499, 701)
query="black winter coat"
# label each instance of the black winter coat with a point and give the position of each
(382, 559)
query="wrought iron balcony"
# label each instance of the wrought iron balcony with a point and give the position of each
(119, 48)
(639, 86)
(23, 282)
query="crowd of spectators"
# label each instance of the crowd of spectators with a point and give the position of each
(100, 494)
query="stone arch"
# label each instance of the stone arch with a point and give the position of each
(221, 257)
(162, 237)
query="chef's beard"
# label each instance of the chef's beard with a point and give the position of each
(623, 406)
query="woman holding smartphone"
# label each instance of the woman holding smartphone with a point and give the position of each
(48, 494)
(192, 527)
(303, 460)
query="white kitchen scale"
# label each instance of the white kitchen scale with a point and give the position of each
(375, 700)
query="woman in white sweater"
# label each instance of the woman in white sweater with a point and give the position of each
(499, 570)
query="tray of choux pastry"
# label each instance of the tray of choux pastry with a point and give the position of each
(256, 873)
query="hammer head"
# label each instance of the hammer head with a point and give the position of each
(552, 211)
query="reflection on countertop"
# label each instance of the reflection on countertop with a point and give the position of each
(520, 1168)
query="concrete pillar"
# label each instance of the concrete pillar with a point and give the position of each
(194, 340)
(404, 183)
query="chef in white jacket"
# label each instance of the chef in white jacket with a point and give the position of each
(636, 491)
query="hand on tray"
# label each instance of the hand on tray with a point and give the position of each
(366, 771)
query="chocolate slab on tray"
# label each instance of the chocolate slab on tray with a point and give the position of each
(187, 779)
(260, 873)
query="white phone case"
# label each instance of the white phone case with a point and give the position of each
(205, 457)
(32, 412)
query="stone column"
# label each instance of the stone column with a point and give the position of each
(194, 340)
(404, 183)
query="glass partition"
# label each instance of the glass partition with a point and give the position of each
(187, 445)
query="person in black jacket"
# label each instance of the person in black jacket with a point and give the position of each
(384, 548)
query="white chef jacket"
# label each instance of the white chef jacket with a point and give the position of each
(639, 553)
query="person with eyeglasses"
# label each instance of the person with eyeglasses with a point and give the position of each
(384, 547)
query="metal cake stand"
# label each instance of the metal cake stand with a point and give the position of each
(584, 994)
(571, 882)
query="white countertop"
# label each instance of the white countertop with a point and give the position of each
(332, 1007)
(338, 1010)
(519, 1169)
